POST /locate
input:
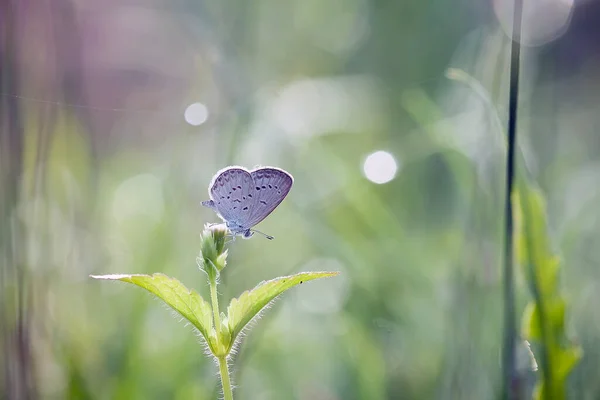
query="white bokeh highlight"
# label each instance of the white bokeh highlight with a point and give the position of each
(196, 114)
(380, 167)
(543, 20)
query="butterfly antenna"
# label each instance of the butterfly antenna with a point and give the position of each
(264, 234)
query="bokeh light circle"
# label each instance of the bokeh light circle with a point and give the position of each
(196, 114)
(543, 20)
(380, 167)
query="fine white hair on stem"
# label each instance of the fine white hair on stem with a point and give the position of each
(217, 374)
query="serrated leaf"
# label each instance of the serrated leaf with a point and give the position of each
(533, 242)
(535, 216)
(554, 316)
(567, 359)
(556, 310)
(530, 325)
(186, 302)
(542, 268)
(548, 274)
(250, 303)
(564, 361)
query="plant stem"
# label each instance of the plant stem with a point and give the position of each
(509, 351)
(215, 305)
(224, 370)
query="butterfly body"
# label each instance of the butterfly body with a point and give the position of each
(243, 198)
(234, 227)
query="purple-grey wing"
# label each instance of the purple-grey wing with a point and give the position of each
(232, 193)
(271, 186)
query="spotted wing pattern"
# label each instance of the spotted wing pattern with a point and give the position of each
(271, 186)
(233, 195)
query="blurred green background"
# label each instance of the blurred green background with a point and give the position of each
(115, 115)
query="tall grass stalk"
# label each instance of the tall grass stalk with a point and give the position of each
(509, 349)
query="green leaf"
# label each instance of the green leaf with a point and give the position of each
(532, 241)
(250, 303)
(544, 317)
(535, 215)
(555, 319)
(186, 302)
(530, 325)
(566, 361)
(556, 309)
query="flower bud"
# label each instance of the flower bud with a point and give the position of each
(213, 252)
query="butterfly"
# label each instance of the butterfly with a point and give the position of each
(243, 198)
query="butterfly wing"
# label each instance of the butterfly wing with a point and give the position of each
(271, 186)
(232, 194)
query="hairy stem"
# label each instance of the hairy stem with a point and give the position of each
(224, 370)
(215, 305)
(509, 352)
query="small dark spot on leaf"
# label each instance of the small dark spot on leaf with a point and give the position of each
(258, 188)
(300, 282)
(244, 197)
(228, 197)
(279, 192)
(264, 202)
(263, 186)
(245, 208)
(239, 187)
(234, 208)
(249, 195)
(234, 189)
(270, 187)
(276, 187)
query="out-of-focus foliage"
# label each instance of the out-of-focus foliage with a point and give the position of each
(545, 315)
(103, 165)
